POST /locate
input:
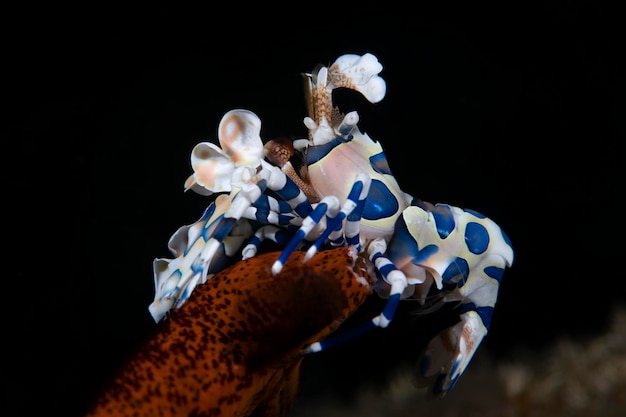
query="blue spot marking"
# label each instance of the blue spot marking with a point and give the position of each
(403, 245)
(425, 253)
(379, 164)
(444, 220)
(495, 273)
(485, 312)
(458, 267)
(476, 237)
(318, 152)
(380, 203)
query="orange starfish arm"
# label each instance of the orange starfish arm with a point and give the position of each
(235, 346)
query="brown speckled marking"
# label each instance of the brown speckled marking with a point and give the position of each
(234, 347)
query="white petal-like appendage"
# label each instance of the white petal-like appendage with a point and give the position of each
(239, 136)
(360, 73)
(212, 169)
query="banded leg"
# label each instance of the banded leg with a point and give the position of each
(329, 207)
(250, 200)
(351, 211)
(334, 229)
(398, 282)
(269, 210)
(278, 235)
(286, 189)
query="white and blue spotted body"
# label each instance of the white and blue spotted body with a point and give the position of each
(413, 244)
(465, 254)
(332, 168)
(448, 242)
(348, 196)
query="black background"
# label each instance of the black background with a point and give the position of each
(514, 111)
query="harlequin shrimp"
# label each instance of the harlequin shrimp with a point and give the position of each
(414, 244)
(234, 347)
